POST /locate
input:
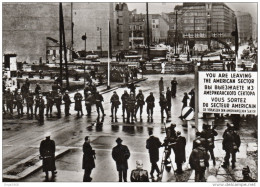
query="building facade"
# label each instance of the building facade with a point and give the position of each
(245, 26)
(160, 28)
(27, 26)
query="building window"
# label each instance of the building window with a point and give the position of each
(153, 26)
(157, 26)
(220, 34)
(140, 27)
(153, 21)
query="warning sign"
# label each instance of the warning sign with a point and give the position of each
(228, 92)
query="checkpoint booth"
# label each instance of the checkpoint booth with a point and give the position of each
(10, 71)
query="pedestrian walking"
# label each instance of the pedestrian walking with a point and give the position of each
(29, 104)
(199, 162)
(41, 109)
(58, 101)
(161, 86)
(50, 102)
(131, 108)
(47, 154)
(153, 144)
(89, 157)
(99, 99)
(163, 105)
(169, 100)
(179, 151)
(150, 105)
(139, 174)
(139, 103)
(114, 100)
(121, 154)
(78, 105)
(124, 99)
(230, 144)
(67, 101)
(89, 100)
(19, 102)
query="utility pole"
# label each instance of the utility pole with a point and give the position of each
(100, 31)
(72, 27)
(194, 38)
(60, 32)
(85, 58)
(148, 34)
(217, 35)
(176, 34)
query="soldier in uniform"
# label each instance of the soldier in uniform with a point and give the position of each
(9, 101)
(124, 99)
(132, 87)
(121, 154)
(179, 151)
(30, 102)
(139, 174)
(89, 100)
(37, 89)
(99, 99)
(67, 101)
(50, 102)
(86, 90)
(24, 90)
(209, 135)
(114, 104)
(19, 102)
(170, 139)
(150, 105)
(41, 109)
(231, 143)
(163, 105)
(58, 101)
(140, 103)
(169, 100)
(201, 139)
(37, 100)
(78, 99)
(131, 108)
(47, 154)
(153, 144)
(88, 160)
(174, 87)
(199, 161)
(161, 86)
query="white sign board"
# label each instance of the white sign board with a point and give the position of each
(228, 92)
(13, 65)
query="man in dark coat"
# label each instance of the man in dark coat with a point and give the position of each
(50, 102)
(37, 103)
(41, 109)
(124, 99)
(153, 144)
(139, 174)
(78, 105)
(231, 143)
(170, 139)
(150, 105)
(185, 102)
(114, 104)
(161, 86)
(192, 99)
(58, 101)
(86, 90)
(169, 100)
(19, 102)
(163, 105)
(131, 108)
(132, 87)
(89, 100)
(121, 154)
(174, 87)
(9, 100)
(29, 103)
(179, 151)
(37, 89)
(199, 161)
(88, 160)
(47, 154)
(67, 101)
(139, 103)
(99, 99)
(201, 140)
(209, 135)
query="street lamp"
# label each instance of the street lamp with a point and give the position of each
(84, 37)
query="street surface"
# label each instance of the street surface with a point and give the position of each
(21, 138)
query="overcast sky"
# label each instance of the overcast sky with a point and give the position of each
(157, 8)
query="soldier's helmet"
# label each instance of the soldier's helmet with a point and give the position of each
(173, 125)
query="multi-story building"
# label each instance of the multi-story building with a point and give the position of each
(92, 19)
(245, 27)
(160, 27)
(205, 22)
(26, 28)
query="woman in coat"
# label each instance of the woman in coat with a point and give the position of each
(88, 160)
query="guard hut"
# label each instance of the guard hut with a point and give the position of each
(10, 73)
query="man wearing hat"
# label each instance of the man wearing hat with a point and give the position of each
(139, 103)
(47, 154)
(231, 143)
(150, 105)
(78, 99)
(98, 100)
(41, 109)
(174, 87)
(50, 102)
(9, 100)
(124, 99)
(19, 102)
(58, 101)
(114, 104)
(139, 174)
(179, 151)
(29, 102)
(88, 102)
(163, 105)
(67, 101)
(161, 86)
(88, 160)
(121, 154)
(170, 139)
(131, 107)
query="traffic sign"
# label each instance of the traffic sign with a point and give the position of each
(187, 113)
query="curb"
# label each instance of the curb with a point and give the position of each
(29, 170)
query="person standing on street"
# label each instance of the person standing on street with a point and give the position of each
(78, 105)
(170, 139)
(140, 103)
(29, 103)
(150, 105)
(169, 100)
(67, 101)
(88, 103)
(99, 99)
(163, 67)
(185, 101)
(139, 174)
(50, 102)
(19, 102)
(88, 160)
(124, 99)
(161, 86)
(37, 89)
(131, 107)
(174, 87)
(121, 154)
(9, 101)
(58, 101)
(47, 154)
(114, 104)
(179, 151)
(153, 144)
(230, 144)
(163, 105)
(41, 109)
(199, 161)
(37, 103)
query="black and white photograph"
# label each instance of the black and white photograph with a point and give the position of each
(130, 92)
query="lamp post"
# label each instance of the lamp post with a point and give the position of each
(84, 37)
